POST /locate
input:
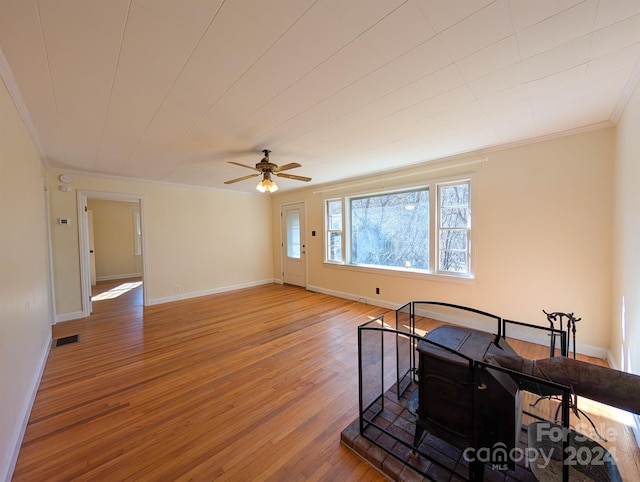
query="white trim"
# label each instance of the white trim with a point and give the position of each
(404, 273)
(480, 154)
(73, 315)
(52, 285)
(82, 197)
(627, 91)
(612, 361)
(390, 305)
(9, 81)
(213, 291)
(15, 440)
(83, 254)
(467, 321)
(433, 188)
(100, 175)
(517, 332)
(118, 276)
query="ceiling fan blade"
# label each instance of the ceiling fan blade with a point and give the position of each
(297, 178)
(242, 178)
(243, 165)
(291, 165)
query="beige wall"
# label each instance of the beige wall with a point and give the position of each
(114, 238)
(197, 239)
(542, 222)
(25, 313)
(625, 343)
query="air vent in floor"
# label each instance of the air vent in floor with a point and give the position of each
(66, 340)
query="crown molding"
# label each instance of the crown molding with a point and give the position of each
(7, 76)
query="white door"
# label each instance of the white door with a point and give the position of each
(294, 245)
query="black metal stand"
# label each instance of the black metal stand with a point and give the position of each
(565, 350)
(571, 321)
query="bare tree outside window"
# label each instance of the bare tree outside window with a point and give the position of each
(453, 228)
(391, 230)
(423, 229)
(334, 230)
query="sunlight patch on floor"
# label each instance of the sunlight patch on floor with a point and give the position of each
(117, 291)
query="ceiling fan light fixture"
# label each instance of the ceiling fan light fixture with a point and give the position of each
(266, 168)
(267, 185)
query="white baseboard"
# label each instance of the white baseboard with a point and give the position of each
(11, 457)
(348, 296)
(118, 276)
(469, 320)
(513, 331)
(74, 315)
(182, 296)
(612, 361)
(196, 294)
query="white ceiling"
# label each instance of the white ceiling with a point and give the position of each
(171, 90)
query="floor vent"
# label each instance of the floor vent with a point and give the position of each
(66, 340)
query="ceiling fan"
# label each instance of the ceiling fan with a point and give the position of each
(266, 168)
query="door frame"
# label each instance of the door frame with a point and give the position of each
(83, 235)
(283, 248)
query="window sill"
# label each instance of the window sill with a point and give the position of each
(404, 273)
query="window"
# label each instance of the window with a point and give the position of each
(293, 233)
(454, 226)
(391, 230)
(334, 230)
(426, 229)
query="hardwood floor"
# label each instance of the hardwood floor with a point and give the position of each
(255, 384)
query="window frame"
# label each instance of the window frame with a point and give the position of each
(347, 207)
(440, 229)
(433, 185)
(328, 231)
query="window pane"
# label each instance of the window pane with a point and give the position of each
(335, 208)
(456, 195)
(334, 231)
(335, 247)
(455, 261)
(454, 217)
(454, 227)
(293, 233)
(453, 239)
(391, 230)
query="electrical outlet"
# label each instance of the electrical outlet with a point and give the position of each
(377, 291)
(176, 288)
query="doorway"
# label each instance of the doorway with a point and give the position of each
(87, 254)
(294, 244)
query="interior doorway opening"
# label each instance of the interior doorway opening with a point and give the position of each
(123, 255)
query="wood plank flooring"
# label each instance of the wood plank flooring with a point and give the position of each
(255, 384)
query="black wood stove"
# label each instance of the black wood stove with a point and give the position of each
(484, 413)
